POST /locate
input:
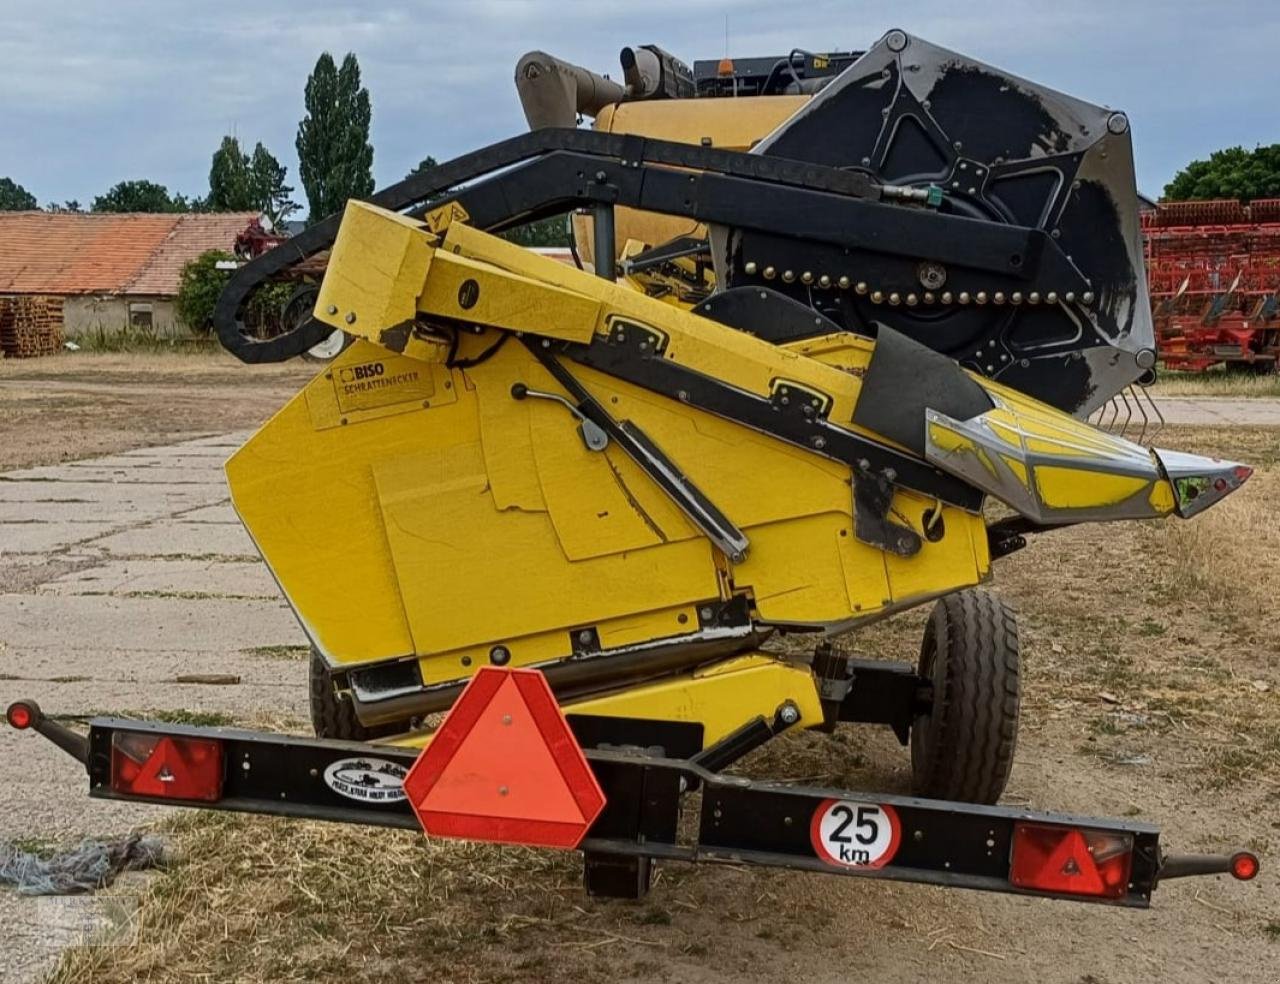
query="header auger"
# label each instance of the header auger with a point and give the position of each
(573, 507)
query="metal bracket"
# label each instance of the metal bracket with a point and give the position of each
(872, 496)
(593, 435)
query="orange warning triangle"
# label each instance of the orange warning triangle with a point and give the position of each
(504, 766)
(1071, 859)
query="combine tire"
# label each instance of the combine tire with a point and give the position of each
(963, 747)
(332, 715)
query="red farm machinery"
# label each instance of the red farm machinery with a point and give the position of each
(1213, 271)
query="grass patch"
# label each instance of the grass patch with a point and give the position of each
(1217, 382)
(199, 719)
(136, 340)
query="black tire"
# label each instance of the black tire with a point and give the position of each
(332, 715)
(963, 748)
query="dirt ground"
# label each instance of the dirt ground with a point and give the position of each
(1151, 690)
(75, 405)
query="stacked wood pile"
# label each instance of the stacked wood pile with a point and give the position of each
(30, 325)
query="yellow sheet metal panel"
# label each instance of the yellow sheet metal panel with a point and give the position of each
(471, 290)
(303, 490)
(376, 270)
(469, 573)
(721, 697)
(731, 124)
(1080, 488)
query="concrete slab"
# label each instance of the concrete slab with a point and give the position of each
(120, 513)
(179, 496)
(75, 679)
(122, 474)
(219, 513)
(174, 538)
(1213, 410)
(27, 538)
(139, 625)
(172, 576)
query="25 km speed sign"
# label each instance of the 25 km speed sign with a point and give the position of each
(855, 835)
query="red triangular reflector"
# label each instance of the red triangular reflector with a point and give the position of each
(505, 767)
(1073, 862)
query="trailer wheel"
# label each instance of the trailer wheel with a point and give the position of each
(962, 748)
(332, 715)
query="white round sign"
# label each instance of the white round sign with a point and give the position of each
(855, 835)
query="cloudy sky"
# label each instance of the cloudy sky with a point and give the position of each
(93, 92)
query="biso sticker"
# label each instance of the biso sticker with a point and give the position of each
(369, 780)
(855, 835)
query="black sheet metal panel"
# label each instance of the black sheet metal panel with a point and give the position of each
(766, 314)
(1002, 150)
(903, 380)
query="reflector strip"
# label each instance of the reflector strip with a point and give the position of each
(1071, 860)
(166, 766)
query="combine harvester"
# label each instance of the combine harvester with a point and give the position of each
(1213, 270)
(575, 511)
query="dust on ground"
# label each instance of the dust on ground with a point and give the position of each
(1152, 690)
(74, 405)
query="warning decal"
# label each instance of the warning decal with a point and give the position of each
(855, 835)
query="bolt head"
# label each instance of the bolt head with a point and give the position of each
(770, 273)
(806, 277)
(788, 276)
(844, 283)
(750, 267)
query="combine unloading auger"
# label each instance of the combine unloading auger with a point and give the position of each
(572, 510)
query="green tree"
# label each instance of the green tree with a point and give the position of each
(238, 182)
(229, 179)
(1230, 173)
(14, 197)
(266, 175)
(70, 205)
(426, 164)
(335, 158)
(545, 232)
(140, 196)
(198, 288)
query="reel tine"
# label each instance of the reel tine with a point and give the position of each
(1137, 399)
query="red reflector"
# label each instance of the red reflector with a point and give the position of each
(1244, 866)
(19, 716)
(167, 766)
(505, 767)
(1071, 860)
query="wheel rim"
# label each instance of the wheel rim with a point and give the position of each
(330, 348)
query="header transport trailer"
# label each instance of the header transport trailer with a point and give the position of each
(835, 303)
